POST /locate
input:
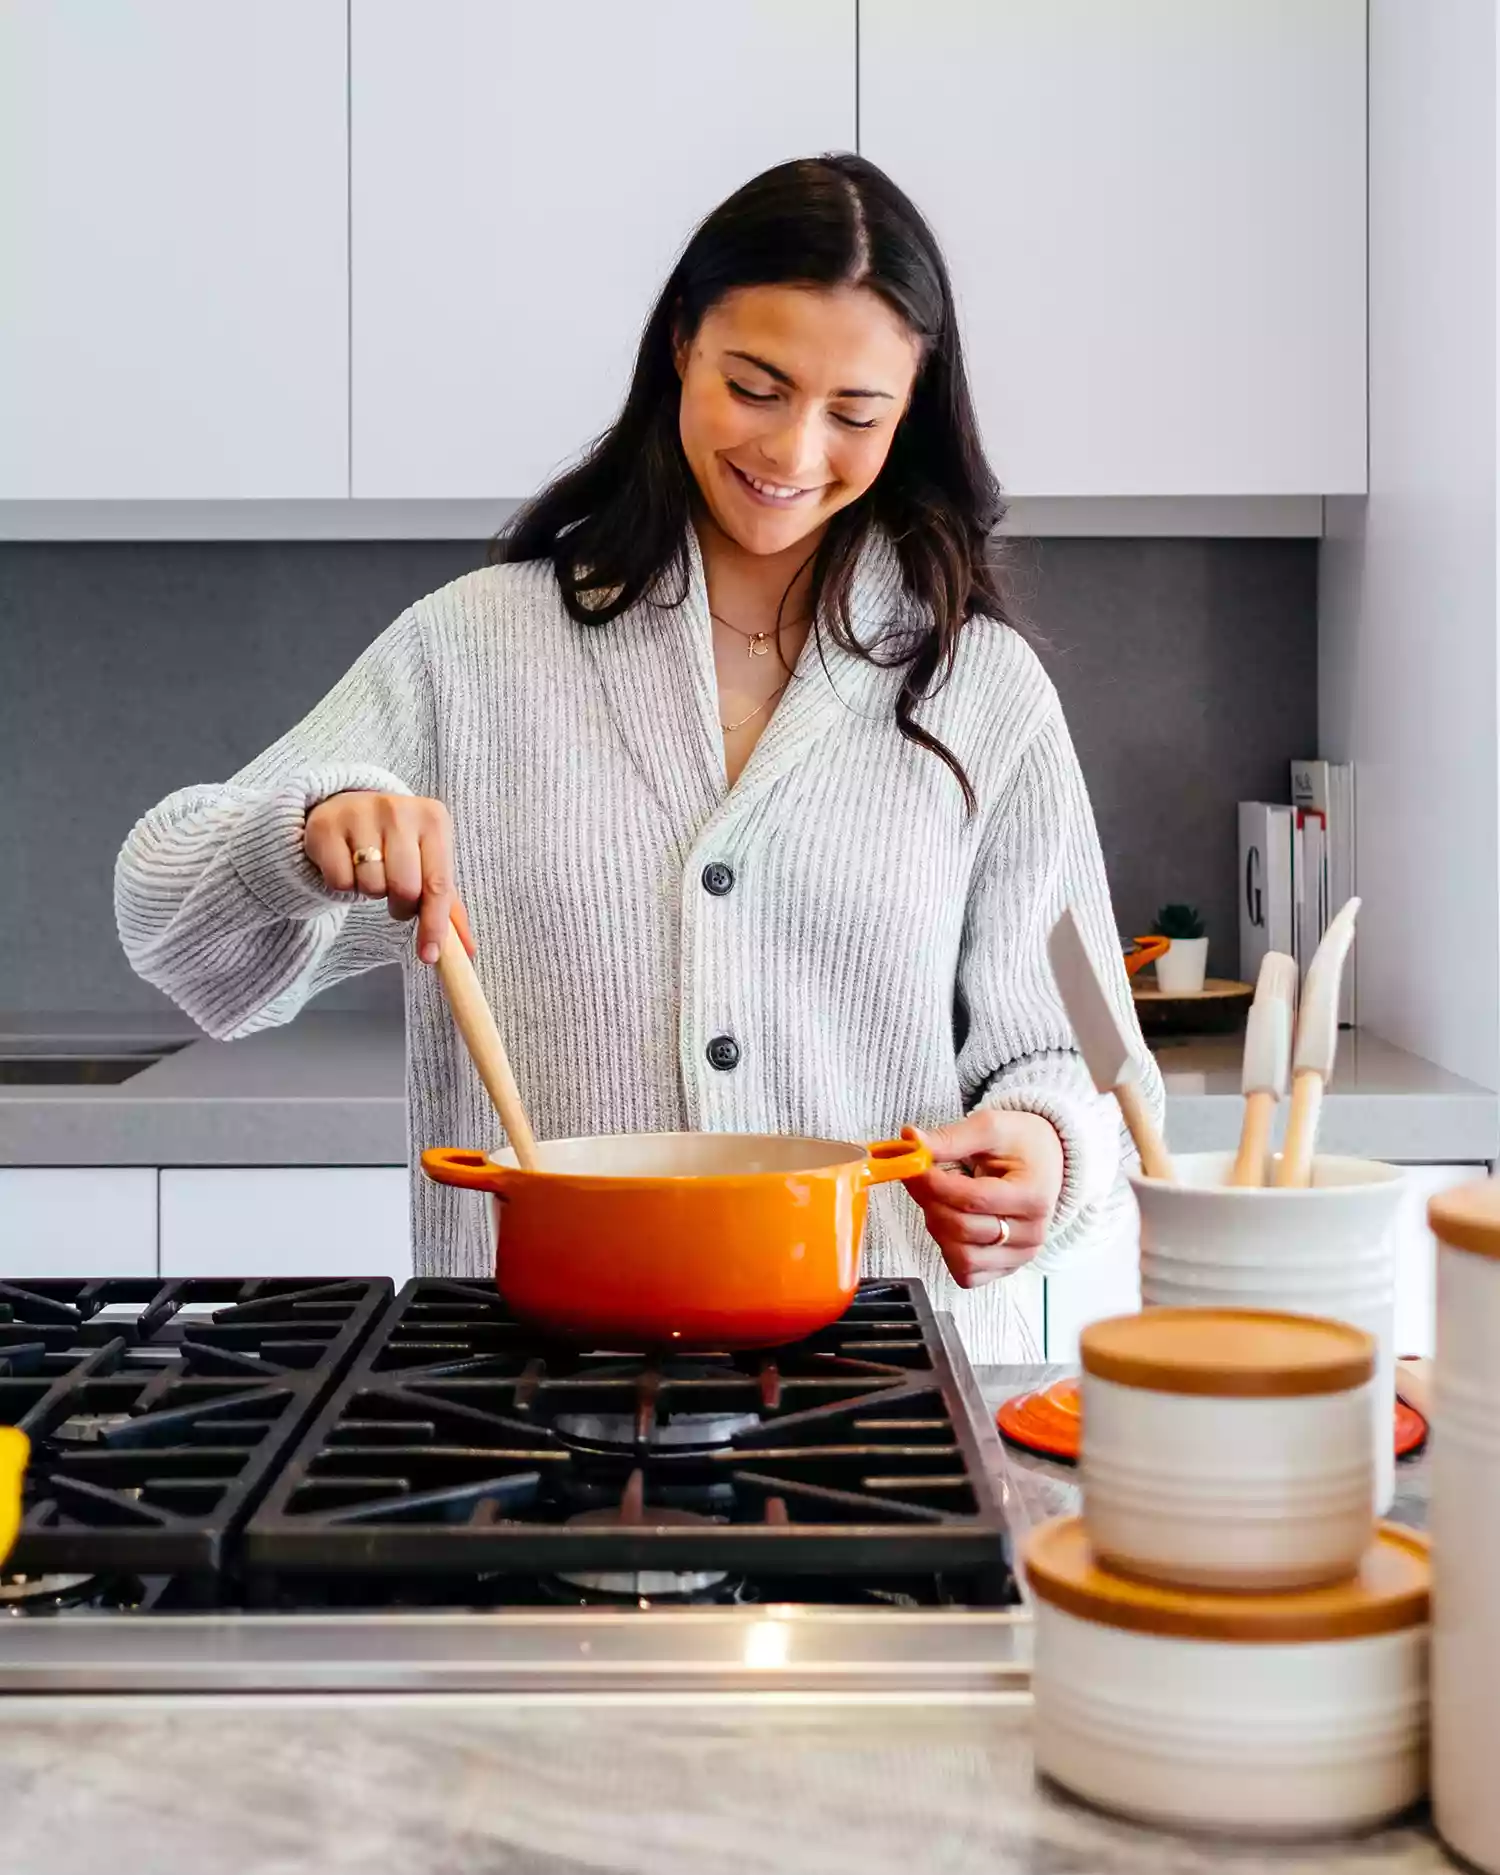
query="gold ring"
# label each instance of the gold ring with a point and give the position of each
(1004, 1232)
(369, 856)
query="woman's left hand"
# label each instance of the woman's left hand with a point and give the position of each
(993, 1217)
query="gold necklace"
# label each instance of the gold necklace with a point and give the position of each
(760, 642)
(764, 704)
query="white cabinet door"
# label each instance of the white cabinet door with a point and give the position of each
(174, 317)
(1155, 217)
(77, 1221)
(286, 1221)
(1416, 1253)
(523, 177)
(1104, 1282)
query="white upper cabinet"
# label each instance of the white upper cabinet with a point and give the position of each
(1155, 217)
(524, 175)
(173, 241)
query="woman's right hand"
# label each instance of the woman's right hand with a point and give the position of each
(404, 846)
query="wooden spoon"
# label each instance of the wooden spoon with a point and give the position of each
(476, 1025)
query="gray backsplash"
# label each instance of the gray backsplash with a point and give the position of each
(1188, 669)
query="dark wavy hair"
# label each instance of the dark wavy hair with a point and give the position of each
(619, 518)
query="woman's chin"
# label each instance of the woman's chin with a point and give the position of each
(764, 531)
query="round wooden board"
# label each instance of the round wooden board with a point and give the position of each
(1219, 1008)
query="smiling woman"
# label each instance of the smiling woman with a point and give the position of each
(759, 808)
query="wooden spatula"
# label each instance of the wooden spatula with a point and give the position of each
(1315, 1048)
(1103, 1042)
(476, 1025)
(1268, 1049)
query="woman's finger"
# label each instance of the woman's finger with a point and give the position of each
(438, 895)
(983, 1231)
(403, 870)
(327, 846)
(972, 1268)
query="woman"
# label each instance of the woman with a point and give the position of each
(760, 810)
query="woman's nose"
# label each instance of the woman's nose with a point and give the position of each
(794, 449)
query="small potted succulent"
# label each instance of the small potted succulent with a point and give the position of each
(1181, 968)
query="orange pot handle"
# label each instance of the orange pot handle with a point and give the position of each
(891, 1159)
(452, 1165)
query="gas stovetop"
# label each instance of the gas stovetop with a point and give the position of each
(341, 1482)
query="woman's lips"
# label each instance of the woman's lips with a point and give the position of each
(769, 494)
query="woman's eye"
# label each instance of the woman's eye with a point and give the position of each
(853, 423)
(751, 397)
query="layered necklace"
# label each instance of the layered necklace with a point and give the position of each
(758, 645)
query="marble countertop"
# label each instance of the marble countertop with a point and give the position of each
(475, 1786)
(329, 1089)
(597, 1785)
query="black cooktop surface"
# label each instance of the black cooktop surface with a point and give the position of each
(321, 1444)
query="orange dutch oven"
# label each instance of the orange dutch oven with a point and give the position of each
(651, 1240)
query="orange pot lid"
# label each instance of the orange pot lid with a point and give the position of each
(1468, 1217)
(1390, 1592)
(1047, 1422)
(1050, 1423)
(1251, 1354)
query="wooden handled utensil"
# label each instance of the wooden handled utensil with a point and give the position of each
(1316, 1046)
(1268, 1050)
(1103, 1042)
(476, 1024)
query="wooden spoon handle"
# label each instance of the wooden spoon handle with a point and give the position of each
(1255, 1139)
(1155, 1162)
(1295, 1166)
(482, 1039)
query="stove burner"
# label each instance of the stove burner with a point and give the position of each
(622, 1432)
(35, 1594)
(642, 1584)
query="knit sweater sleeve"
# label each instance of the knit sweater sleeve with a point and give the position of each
(1041, 854)
(216, 901)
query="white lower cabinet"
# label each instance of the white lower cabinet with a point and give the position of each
(77, 1221)
(1106, 1281)
(285, 1221)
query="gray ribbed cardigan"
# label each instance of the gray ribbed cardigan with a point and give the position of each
(879, 959)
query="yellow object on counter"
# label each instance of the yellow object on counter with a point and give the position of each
(15, 1449)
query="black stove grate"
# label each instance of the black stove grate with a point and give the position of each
(458, 1441)
(157, 1409)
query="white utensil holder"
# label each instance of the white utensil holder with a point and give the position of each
(1324, 1250)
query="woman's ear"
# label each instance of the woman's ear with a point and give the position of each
(681, 345)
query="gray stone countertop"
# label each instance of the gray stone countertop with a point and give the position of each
(578, 1785)
(329, 1089)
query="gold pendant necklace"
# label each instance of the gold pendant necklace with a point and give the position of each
(759, 642)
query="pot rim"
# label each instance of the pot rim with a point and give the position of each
(845, 1155)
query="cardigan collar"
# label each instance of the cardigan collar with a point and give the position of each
(657, 665)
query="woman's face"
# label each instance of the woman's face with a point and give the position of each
(790, 398)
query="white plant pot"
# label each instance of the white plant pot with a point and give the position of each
(1181, 969)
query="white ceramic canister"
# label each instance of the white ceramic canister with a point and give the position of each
(1301, 1714)
(1465, 1524)
(1327, 1249)
(1227, 1448)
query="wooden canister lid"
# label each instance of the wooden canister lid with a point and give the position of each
(1245, 1354)
(1468, 1217)
(1389, 1593)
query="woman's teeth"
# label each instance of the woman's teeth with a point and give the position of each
(769, 491)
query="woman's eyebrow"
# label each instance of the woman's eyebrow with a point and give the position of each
(781, 377)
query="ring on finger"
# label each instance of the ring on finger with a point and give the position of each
(368, 856)
(1004, 1237)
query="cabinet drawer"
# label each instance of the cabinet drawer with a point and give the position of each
(77, 1221)
(286, 1221)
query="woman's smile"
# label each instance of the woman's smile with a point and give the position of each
(773, 494)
